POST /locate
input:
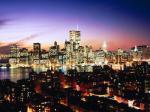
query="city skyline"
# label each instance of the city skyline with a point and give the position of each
(74, 56)
(116, 22)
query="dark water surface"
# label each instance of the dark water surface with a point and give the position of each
(14, 74)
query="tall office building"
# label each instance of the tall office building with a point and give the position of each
(74, 39)
(36, 53)
(53, 54)
(44, 58)
(14, 55)
(140, 53)
(37, 50)
(99, 57)
(136, 54)
(24, 57)
(147, 93)
(81, 55)
(14, 50)
(53, 50)
(119, 55)
(68, 52)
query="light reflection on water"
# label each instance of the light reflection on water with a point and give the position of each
(15, 74)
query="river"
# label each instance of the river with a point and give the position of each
(15, 74)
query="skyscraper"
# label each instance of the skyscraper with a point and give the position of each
(74, 36)
(147, 93)
(14, 51)
(53, 50)
(14, 55)
(24, 57)
(36, 52)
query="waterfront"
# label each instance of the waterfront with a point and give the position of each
(15, 74)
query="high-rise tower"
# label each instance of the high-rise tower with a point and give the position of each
(37, 50)
(14, 55)
(74, 36)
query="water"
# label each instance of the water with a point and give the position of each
(14, 74)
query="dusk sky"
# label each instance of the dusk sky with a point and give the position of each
(121, 23)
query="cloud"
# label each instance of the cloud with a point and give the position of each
(24, 42)
(26, 39)
(5, 47)
(4, 22)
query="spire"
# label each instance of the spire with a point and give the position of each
(104, 46)
(135, 49)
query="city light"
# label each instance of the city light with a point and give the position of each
(49, 64)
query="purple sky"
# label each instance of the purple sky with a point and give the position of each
(122, 23)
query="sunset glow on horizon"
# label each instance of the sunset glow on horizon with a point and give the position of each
(121, 24)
